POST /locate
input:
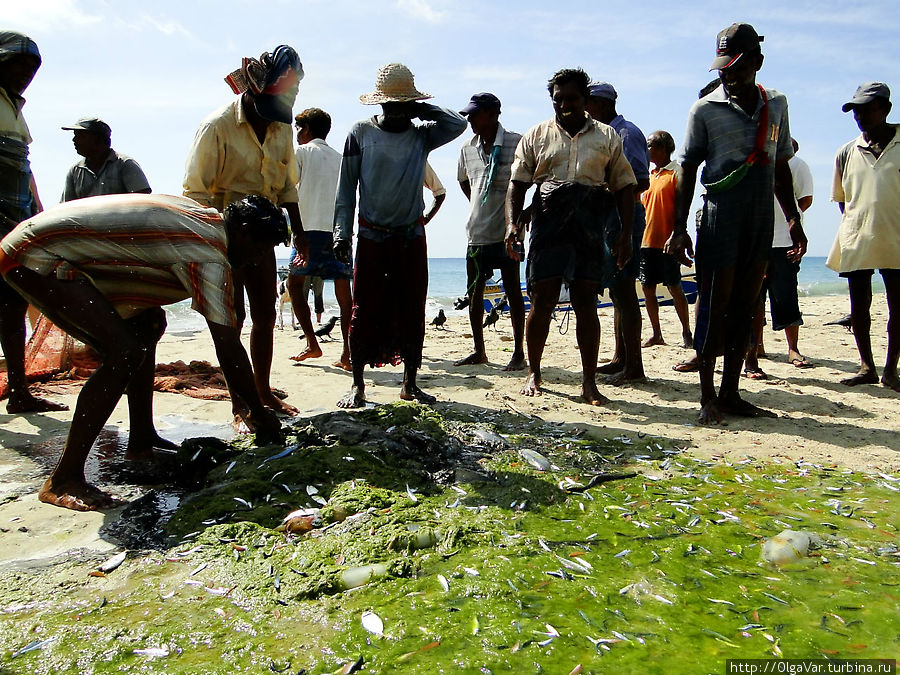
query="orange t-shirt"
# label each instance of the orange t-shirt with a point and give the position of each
(659, 203)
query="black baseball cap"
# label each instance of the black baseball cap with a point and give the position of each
(866, 93)
(733, 42)
(482, 101)
(93, 124)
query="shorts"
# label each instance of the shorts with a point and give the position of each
(658, 267)
(866, 273)
(490, 257)
(321, 262)
(736, 225)
(781, 285)
(613, 275)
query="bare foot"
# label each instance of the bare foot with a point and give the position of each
(77, 496)
(710, 413)
(307, 354)
(517, 362)
(240, 423)
(864, 376)
(690, 365)
(472, 359)
(27, 403)
(610, 367)
(624, 377)
(532, 386)
(413, 393)
(279, 406)
(591, 394)
(653, 340)
(734, 404)
(343, 365)
(891, 381)
(355, 398)
(141, 448)
(687, 340)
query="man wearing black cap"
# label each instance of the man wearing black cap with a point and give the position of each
(246, 148)
(741, 132)
(866, 187)
(19, 62)
(485, 163)
(103, 171)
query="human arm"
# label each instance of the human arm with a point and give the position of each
(433, 183)
(466, 189)
(202, 166)
(784, 193)
(345, 197)
(133, 178)
(434, 208)
(679, 243)
(38, 207)
(515, 200)
(69, 187)
(625, 206)
(298, 236)
(446, 124)
(239, 374)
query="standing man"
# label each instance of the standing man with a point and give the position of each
(246, 148)
(626, 364)
(319, 166)
(741, 131)
(384, 157)
(657, 266)
(582, 180)
(19, 61)
(781, 280)
(101, 269)
(103, 171)
(485, 162)
(867, 189)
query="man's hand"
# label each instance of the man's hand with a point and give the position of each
(301, 245)
(623, 249)
(343, 250)
(798, 239)
(267, 427)
(512, 241)
(681, 248)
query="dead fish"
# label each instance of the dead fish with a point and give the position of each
(622, 554)
(113, 562)
(230, 467)
(243, 502)
(535, 459)
(284, 453)
(459, 490)
(663, 600)
(472, 571)
(311, 490)
(776, 598)
(152, 652)
(319, 500)
(411, 494)
(198, 569)
(721, 602)
(32, 646)
(372, 623)
(444, 583)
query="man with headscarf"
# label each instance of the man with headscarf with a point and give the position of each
(384, 156)
(246, 148)
(19, 61)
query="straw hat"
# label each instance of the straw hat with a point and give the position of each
(394, 84)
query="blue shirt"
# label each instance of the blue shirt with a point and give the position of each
(634, 145)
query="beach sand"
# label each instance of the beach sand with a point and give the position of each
(820, 420)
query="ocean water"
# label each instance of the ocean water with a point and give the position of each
(447, 281)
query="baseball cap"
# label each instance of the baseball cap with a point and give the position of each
(482, 101)
(732, 42)
(602, 90)
(866, 93)
(93, 124)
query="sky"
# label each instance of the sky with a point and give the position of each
(154, 71)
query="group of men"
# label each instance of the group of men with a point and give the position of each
(101, 267)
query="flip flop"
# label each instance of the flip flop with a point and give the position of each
(801, 363)
(686, 367)
(755, 374)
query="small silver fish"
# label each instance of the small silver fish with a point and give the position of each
(113, 562)
(152, 652)
(31, 647)
(412, 495)
(198, 569)
(243, 502)
(444, 583)
(372, 623)
(230, 467)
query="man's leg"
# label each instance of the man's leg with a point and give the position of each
(861, 320)
(892, 289)
(745, 295)
(712, 302)
(628, 333)
(318, 287)
(652, 306)
(513, 285)
(299, 300)
(544, 296)
(414, 293)
(259, 280)
(12, 339)
(587, 331)
(80, 309)
(751, 362)
(344, 298)
(679, 301)
(475, 287)
(142, 434)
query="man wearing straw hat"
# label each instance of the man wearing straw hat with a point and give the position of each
(246, 148)
(384, 157)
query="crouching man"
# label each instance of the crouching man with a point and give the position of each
(101, 269)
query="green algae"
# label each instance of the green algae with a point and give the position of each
(656, 573)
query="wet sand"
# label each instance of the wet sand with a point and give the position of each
(820, 420)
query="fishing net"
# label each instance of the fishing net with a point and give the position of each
(52, 353)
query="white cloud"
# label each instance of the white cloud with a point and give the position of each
(421, 9)
(48, 15)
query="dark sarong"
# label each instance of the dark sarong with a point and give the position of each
(390, 284)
